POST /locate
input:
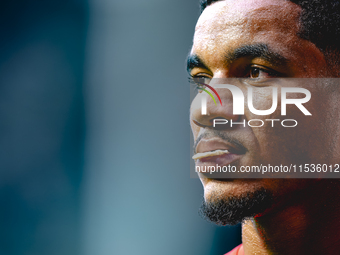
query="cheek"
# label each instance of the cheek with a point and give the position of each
(308, 142)
(263, 99)
(278, 144)
(195, 110)
(195, 130)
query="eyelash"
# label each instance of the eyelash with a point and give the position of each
(193, 81)
(269, 71)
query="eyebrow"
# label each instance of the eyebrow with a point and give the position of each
(259, 50)
(194, 61)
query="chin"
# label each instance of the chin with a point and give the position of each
(224, 188)
(230, 202)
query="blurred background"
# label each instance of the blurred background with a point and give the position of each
(95, 153)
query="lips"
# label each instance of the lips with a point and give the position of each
(210, 154)
(216, 146)
(216, 151)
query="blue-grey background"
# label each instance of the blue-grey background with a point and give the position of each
(94, 106)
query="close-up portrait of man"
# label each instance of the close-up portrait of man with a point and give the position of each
(97, 118)
(273, 68)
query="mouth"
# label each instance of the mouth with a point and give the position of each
(216, 157)
(208, 154)
(216, 152)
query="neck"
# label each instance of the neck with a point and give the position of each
(310, 225)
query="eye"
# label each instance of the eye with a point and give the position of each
(256, 72)
(201, 78)
(198, 81)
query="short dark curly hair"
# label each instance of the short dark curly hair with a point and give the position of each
(320, 21)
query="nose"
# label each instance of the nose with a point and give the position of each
(213, 111)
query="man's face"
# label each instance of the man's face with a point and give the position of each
(260, 39)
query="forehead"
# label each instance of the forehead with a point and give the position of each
(227, 24)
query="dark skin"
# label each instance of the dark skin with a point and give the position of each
(304, 216)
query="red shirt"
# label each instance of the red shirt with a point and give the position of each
(236, 251)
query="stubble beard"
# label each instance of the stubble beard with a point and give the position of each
(234, 210)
